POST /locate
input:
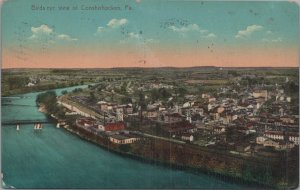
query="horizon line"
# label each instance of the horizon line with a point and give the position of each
(173, 67)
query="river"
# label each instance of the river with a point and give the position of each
(55, 158)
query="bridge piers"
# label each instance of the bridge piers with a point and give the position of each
(24, 122)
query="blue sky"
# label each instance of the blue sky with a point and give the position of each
(159, 24)
(269, 20)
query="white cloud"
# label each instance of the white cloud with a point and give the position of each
(40, 31)
(190, 27)
(248, 31)
(100, 29)
(151, 41)
(193, 28)
(136, 38)
(66, 37)
(277, 40)
(269, 32)
(274, 40)
(134, 35)
(131, 37)
(210, 35)
(46, 33)
(114, 23)
(203, 31)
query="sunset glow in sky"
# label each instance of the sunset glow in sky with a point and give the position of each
(45, 34)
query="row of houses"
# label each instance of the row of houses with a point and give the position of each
(278, 144)
(115, 131)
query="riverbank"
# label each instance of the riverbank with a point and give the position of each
(274, 173)
(109, 147)
(33, 89)
(234, 169)
(42, 108)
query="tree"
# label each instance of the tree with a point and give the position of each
(77, 90)
(60, 113)
(154, 94)
(112, 96)
(233, 73)
(17, 82)
(291, 87)
(164, 93)
(124, 88)
(126, 100)
(142, 104)
(64, 92)
(170, 104)
(93, 97)
(48, 99)
(182, 91)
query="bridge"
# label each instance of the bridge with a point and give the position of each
(11, 104)
(20, 122)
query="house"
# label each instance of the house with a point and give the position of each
(260, 93)
(227, 117)
(152, 113)
(218, 129)
(187, 137)
(220, 109)
(193, 110)
(279, 135)
(172, 117)
(111, 106)
(30, 84)
(105, 106)
(102, 105)
(128, 109)
(294, 137)
(123, 139)
(205, 95)
(187, 104)
(209, 107)
(211, 99)
(278, 144)
(287, 120)
(283, 146)
(260, 140)
(215, 115)
(270, 143)
(112, 127)
(85, 122)
(119, 114)
(179, 128)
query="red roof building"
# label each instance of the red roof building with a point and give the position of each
(85, 122)
(114, 126)
(179, 127)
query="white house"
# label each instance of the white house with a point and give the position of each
(122, 139)
(187, 137)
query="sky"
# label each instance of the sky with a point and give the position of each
(149, 33)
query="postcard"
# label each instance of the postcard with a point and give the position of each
(147, 94)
